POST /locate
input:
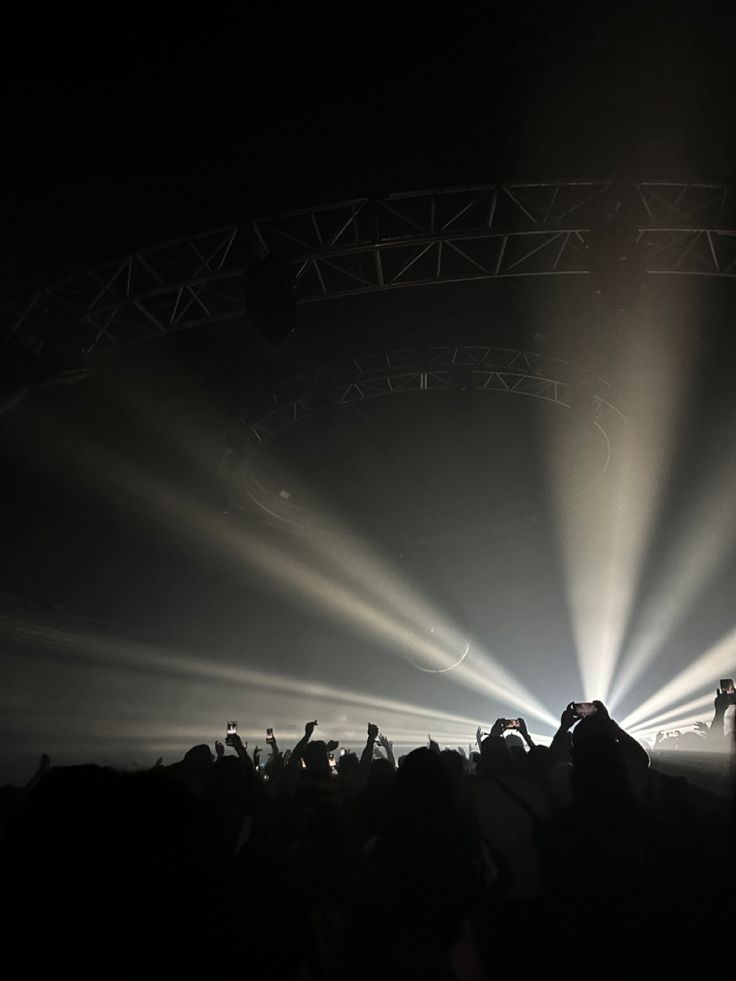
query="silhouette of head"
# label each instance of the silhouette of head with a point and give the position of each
(423, 793)
(315, 756)
(198, 757)
(381, 774)
(598, 769)
(348, 769)
(514, 742)
(453, 763)
(495, 758)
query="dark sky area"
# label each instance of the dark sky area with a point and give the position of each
(120, 128)
(126, 125)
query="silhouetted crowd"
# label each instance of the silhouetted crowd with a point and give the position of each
(518, 860)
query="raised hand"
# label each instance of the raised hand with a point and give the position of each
(309, 729)
(219, 749)
(602, 710)
(568, 717)
(478, 736)
(702, 727)
(522, 727)
(498, 727)
(722, 701)
(236, 742)
(372, 731)
(256, 756)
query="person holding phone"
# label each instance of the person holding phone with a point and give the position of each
(723, 725)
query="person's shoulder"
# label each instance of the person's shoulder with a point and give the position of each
(560, 772)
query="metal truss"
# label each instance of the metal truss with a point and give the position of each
(432, 369)
(374, 244)
(394, 373)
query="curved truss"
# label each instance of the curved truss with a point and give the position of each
(372, 244)
(447, 368)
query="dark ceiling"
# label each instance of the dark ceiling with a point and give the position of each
(123, 126)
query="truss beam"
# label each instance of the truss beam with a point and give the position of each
(393, 374)
(369, 245)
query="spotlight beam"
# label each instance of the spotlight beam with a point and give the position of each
(307, 584)
(693, 560)
(101, 648)
(696, 677)
(604, 540)
(699, 704)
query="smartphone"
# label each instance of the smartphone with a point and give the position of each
(727, 686)
(584, 709)
(343, 752)
(512, 724)
(332, 761)
(269, 736)
(232, 728)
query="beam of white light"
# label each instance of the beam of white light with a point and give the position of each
(497, 682)
(681, 722)
(365, 591)
(604, 539)
(369, 592)
(185, 736)
(167, 726)
(694, 558)
(701, 704)
(313, 588)
(117, 652)
(703, 673)
(678, 722)
(348, 560)
(388, 591)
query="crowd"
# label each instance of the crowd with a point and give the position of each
(518, 860)
(702, 736)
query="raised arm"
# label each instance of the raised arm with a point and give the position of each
(498, 728)
(524, 733)
(366, 757)
(389, 748)
(241, 749)
(298, 751)
(721, 703)
(560, 745)
(275, 762)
